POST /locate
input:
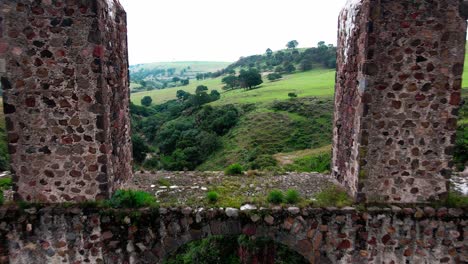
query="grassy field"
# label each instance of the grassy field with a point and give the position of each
(318, 82)
(161, 96)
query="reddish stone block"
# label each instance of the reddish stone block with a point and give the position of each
(394, 68)
(43, 36)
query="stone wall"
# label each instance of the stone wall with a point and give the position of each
(398, 85)
(75, 235)
(64, 71)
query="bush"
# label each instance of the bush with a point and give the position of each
(292, 196)
(5, 183)
(292, 95)
(233, 169)
(263, 161)
(316, 163)
(274, 76)
(146, 101)
(212, 196)
(456, 200)
(164, 182)
(132, 199)
(333, 197)
(2, 199)
(276, 197)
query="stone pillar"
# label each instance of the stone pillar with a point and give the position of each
(64, 72)
(398, 86)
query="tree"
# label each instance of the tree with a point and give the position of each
(215, 95)
(175, 79)
(201, 89)
(306, 64)
(274, 76)
(185, 82)
(289, 68)
(292, 44)
(139, 149)
(250, 78)
(143, 83)
(146, 101)
(269, 52)
(182, 95)
(231, 81)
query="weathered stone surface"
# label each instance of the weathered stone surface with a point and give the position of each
(97, 235)
(232, 212)
(399, 72)
(66, 95)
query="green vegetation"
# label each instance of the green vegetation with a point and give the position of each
(292, 196)
(132, 199)
(274, 76)
(315, 163)
(332, 197)
(233, 169)
(461, 144)
(182, 133)
(212, 196)
(153, 76)
(146, 101)
(284, 126)
(226, 250)
(164, 182)
(275, 197)
(6, 183)
(247, 79)
(317, 82)
(456, 200)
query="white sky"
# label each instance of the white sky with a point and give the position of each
(224, 30)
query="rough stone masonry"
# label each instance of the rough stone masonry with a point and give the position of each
(398, 88)
(64, 72)
(97, 235)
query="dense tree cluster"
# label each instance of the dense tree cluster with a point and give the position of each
(180, 134)
(246, 79)
(290, 60)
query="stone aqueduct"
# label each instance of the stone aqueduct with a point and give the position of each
(64, 72)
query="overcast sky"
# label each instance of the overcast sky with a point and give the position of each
(224, 30)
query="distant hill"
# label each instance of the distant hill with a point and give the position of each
(195, 66)
(159, 75)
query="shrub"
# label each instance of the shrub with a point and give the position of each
(292, 95)
(146, 101)
(5, 183)
(263, 161)
(456, 200)
(164, 182)
(233, 169)
(132, 199)
(1, 197)
(212, 196)
(292, 196)
(333, 196)
(276, 197)
(316, 163)
(274, 76)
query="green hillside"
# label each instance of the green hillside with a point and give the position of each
(273, 128)
(318, 82)
(163, 95)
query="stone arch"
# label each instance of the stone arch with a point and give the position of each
(293, 232)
